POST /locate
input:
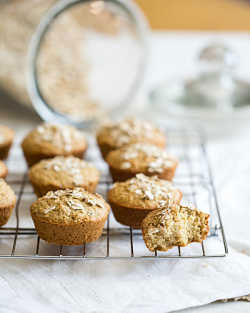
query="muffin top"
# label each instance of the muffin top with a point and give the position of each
(54, 139)
(7, 195)
(64, 172)
(141, 157)
(70, 206)
(6, 135)
(129, 131)
(3, 169)
(143, 192)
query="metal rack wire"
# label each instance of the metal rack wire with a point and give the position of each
(193, 177)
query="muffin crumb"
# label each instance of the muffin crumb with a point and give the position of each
(174, 226)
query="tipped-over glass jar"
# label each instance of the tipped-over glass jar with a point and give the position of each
(87, 60)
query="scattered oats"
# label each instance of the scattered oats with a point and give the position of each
(50, 195)
(138, 192)
(60, 135)
(162, 203)
(75, 205)
(149, 195)
(125, 165)
(49, 209)
(71, 165)
(152, 188)
(129, 128)
(160, 159)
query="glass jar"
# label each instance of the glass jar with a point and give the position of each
(87, 60)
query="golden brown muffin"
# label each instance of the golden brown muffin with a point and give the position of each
(63, 173)
(70, 217)
(48, 141)
(114, 136)
(133, 199)
(174, 226)
(7, 202)
(3, 170)
(145, 158)
(6, 140)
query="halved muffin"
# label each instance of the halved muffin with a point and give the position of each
(174, 226)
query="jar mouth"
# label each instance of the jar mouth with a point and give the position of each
(52, 83)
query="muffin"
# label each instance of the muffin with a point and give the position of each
(48, 141)
(174, 226)
(6, 140)
(63, 173)
(114, 136)
(3, 170)
(145, 158)
(133, 199)
(70, 217)
(7, 202)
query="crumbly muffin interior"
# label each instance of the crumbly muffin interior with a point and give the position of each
(178, 226)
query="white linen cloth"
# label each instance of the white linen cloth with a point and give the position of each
(134, 286)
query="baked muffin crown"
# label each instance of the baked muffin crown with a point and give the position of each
(54, 138)
(70, 206)
(3, 170)
(141, 157)
(143, 192)
(7, 195)
(63, 171)
(129, 131)
(6, 135)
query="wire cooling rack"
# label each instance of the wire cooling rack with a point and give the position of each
(19, 240)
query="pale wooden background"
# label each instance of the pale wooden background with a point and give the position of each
(197, 14)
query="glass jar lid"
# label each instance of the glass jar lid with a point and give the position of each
(87, 60)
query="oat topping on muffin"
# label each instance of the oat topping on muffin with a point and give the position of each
(62, 173)
(70, 205)
(129, 130)
(49, 140)
(143, 188)
(141, 156)
(174, 226)
(71, 165)
(59, 135)
(115, 135)
(133, 199)
(70, 217)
